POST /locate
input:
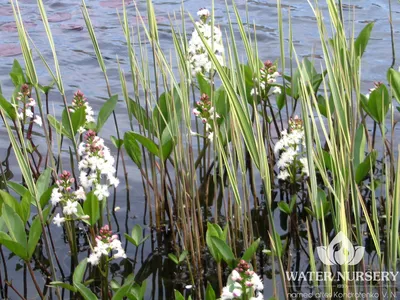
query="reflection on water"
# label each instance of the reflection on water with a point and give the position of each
(80, 69)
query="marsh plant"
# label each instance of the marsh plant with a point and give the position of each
(247, 165)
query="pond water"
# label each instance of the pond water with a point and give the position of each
(80, 71)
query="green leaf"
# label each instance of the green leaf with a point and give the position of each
(213, 231)
(43, 182)
(91, 207)
(183, 256)
(364, 167)
(280, 101)
(124, 290)
(251, 250)
(322, 205)
(137, 234)
(64, 285)
(146, 142)
(105, 111)
(46, 197)
(378, 103)
(362, 40)
(25, 207)
(13, 246)
(359, 147)
(283, 206)
(58, 126)
(10, 201)
(35, 232)
(86, 293)
(393, 78)
(132, 148)
(18, 188)
(210, 294)
(141, 116)
(178, 296)
(17, 74)
(173, 257)
(117, 142)
(205, 87)
(224, 250)
(79, 272)
(14, 225)
(78, 119)
(8, 108)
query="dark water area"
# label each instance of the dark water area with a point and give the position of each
(80, 70)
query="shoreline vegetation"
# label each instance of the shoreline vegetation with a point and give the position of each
(267, 181)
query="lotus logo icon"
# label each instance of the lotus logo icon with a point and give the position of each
(340, 251)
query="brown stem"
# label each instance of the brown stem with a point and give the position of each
(34, 280)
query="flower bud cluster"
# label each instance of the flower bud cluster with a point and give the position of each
(244, 282)
(28, 105)
(206, 112)
(268, 75)
(106, 243)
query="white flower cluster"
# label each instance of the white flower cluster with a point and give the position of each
(268, 75)
(81, 101)
(28, 105)
(291, 152)
(199, 60)
(106, 242)
(64, 195)
(249, 284)
(96, 166)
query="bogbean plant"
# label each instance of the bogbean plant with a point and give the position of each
(212, 138)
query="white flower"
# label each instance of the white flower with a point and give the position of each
(237, 293)
(70, 208)
(89, 113)
(57, 220)
(94, 258)
(38, 120)
(211, 136)
(199, 60)
(31, 102)
(81, 130)
(305, 169)
(257, 282)
(29, 113)
(235, 276)
(55, 196)
(80, 193)
(203, 12)
(226, 294)
(276, 90)
(113, 180)
(101, 191)
(283, 175)
(259, 297)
